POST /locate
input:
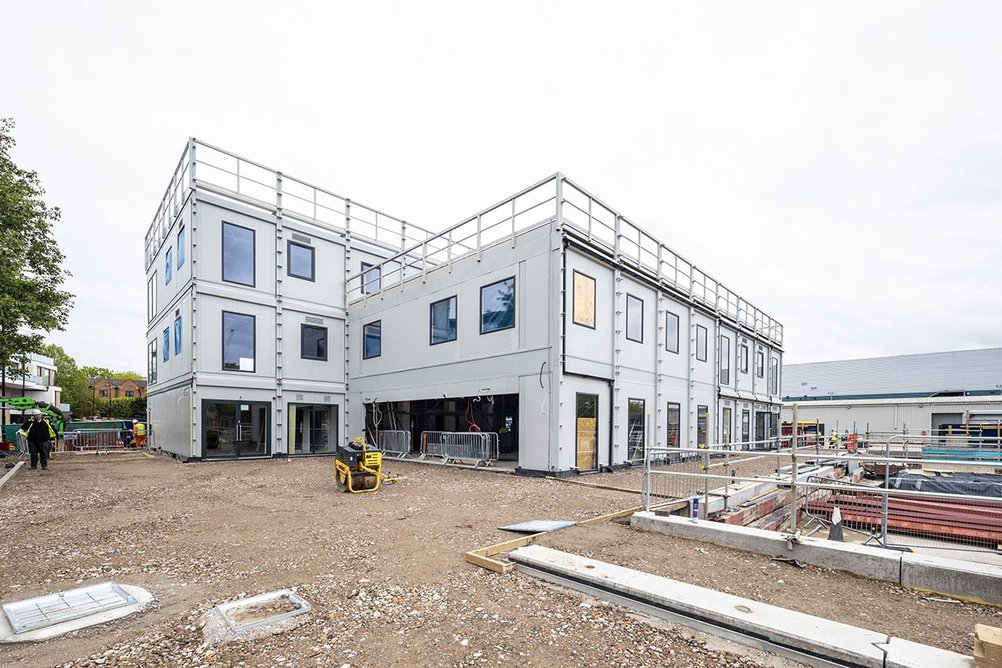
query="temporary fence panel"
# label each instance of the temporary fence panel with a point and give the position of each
(90, 440)
(394, 442)
(478, 447)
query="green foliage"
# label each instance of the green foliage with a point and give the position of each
(123, 408)
(73, 381)
(102, 372)
(31, 264)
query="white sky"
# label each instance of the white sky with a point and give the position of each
(840, 166)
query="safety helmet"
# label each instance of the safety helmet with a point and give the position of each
(33, 411)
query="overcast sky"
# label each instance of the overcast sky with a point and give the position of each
(840, 166)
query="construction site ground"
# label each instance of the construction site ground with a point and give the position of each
(384, 572)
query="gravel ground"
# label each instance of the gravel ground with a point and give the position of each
(384, 572)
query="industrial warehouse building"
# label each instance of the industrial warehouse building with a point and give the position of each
(944, 392)
(284, 319)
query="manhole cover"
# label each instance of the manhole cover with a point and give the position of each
(262, 610)
(44, 611)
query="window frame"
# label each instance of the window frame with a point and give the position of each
(177, 336)
(743, 358)
(725, 359)
(367, 267)
(668, 316)
(574, 300)
(626, 329)
(630, 403)
(365, 349)
(313, 261)
(166, 351)
(760, 363)
(431, 321)
(302, 342)
(151, 297)
(678, 423)
(701, 328)
(222, 254)
(222, 357)
(514, 309)
(773, 375)
(151, 362)
(168, 265)
(182, 239)
(702, 415)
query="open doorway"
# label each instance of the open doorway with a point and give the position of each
(492, 413)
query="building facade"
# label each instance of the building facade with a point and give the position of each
(285, 319)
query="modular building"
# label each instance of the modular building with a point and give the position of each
(942, 392)
(285, 319)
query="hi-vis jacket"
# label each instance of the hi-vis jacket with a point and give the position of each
(38, 432)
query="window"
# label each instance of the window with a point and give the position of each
(151, 366)
(151, 297)
(759, 364)
(674, 424)
(725, 360)
(180, 247)
(745, 426)
(725, 433)
(743, 358)
(103, 393)
(636, 439)
(701, 343)
(302, 261)
(239, 342)
(671, 332)
(372, 340)
(371, 278)
(634, 318)
(130, 394)
(702, 412)
(443, 320)
(313, 342)
(584, 300)
(497, 306)
(238, 254)
(177, 335)
(586, 432)
(168, 266)
(166, 351)
(774, 375)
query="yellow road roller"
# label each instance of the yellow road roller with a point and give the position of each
(358, 467)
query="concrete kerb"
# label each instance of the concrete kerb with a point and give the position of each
(10, 474)
(820, 641)
(981, 583)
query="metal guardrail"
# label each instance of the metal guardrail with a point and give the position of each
(479, 447)
(893, 504)
(99, 440)
(394, 443)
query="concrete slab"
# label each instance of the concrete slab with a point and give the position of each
(908, 654)
(871, 562)
(141, 596)
(964, 579)
(828, 640)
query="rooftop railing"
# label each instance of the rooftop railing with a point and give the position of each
(215, 170)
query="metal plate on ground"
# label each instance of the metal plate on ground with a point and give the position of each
(538, 526)
(44, 611)
(262, 610)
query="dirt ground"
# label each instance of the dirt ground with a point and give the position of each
(384, 572)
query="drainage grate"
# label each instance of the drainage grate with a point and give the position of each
(262, 610)
(44, 611)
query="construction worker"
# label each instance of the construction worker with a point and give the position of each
(39, 433)
(138, 434)
(833, 439)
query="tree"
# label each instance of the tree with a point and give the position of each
(31, 264)
(72, 380)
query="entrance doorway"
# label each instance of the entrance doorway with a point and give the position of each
(314, 428)
(236, 429)
(586, 432)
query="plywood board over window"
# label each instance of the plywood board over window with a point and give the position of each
(584, 300)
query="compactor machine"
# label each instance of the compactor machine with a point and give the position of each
(358, 467)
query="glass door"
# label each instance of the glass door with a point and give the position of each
(314, 428)
(586, 432)
(236, 429)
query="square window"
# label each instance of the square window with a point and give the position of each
(313, 342)
(700, 343)
(239, 341)
(302, 261)
(634, 318)
(166, 345)
(372, 340)
(238, 254)
(130, 394)
(584, 300)
(168, 266)
(177, 335)
(371, 278)
(497, 306)
(180, 248)
(443, 321)
(671, 332)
